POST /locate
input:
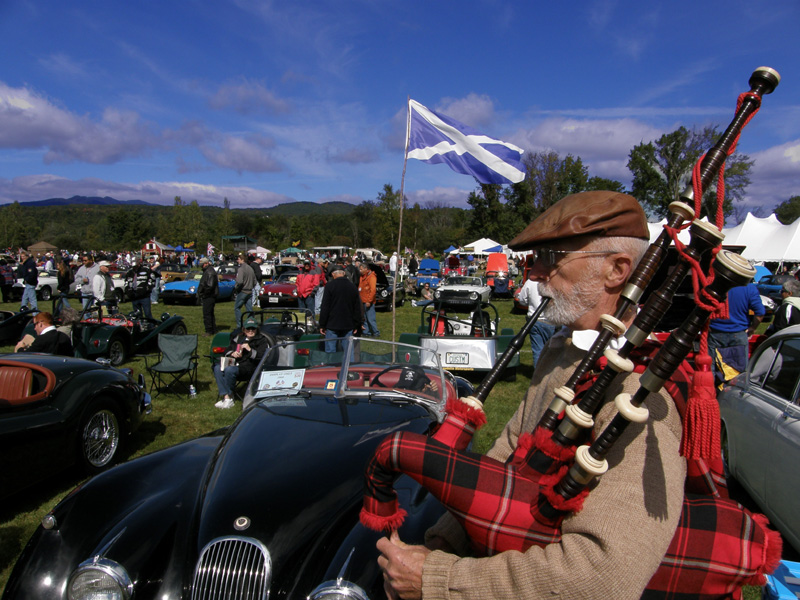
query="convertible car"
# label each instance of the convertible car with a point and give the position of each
(466, 337)
(117, 336)
(498, 276)
(12, 325)
(462, 289)
(265, 508)
(185, 290)
(280, 292)
(278, 324)
(56, 412)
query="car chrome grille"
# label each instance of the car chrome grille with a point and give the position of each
(232, 567)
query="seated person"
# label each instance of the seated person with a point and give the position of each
(48, 339)
(247, 348)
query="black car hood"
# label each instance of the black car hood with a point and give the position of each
(380, 275)
(292, 481)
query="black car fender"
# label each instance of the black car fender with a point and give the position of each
(134, 513)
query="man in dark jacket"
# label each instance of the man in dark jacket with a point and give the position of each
(29, 274)
(48, 339)
(139, 282)
(340, 314)
(207, 292)
(788, 313)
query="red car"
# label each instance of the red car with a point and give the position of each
(281, 292)
(498, 277)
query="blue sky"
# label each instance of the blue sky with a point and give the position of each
(267, 102)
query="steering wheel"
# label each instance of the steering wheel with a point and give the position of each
(415, 378)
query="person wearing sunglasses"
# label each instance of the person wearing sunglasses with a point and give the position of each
(245, 351)
(48, 339)
(586, 246)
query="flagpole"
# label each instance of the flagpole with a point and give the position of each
(400, 226)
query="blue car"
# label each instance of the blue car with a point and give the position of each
(429, 272)
(771, 286)
(184, 291)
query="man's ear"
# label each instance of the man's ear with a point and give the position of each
(618, 269)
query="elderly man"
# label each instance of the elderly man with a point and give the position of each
(103, 288)
(788, 313)
(586, 247)
(340, 314)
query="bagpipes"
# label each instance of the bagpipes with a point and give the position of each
(718, 545)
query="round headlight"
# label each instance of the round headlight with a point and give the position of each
(473, 295)
(384, 293)
(338, 590)
(99, 579)
(437, 294)
(192, 290)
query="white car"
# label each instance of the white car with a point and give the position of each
(47, 287)
(761, 429)
(462, 289)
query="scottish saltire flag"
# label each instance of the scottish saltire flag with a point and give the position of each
(436, 138)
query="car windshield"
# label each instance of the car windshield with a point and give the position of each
(287, 278)
(362, 367)
(463, 281)
(195, 275)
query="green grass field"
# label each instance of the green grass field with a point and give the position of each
(177, 418)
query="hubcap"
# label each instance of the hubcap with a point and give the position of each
(101, 438)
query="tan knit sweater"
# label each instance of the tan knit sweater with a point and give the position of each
(612, 547)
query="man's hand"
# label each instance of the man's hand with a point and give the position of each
(402, 567)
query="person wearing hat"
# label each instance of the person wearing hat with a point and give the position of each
(103, 288)
(340, 313)
(139, 282)
(207, 292)
(586, 246)
(247, 348)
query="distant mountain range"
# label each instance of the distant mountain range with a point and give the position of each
(289, 208)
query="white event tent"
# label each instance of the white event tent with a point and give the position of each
(478, 247)
(764, 239)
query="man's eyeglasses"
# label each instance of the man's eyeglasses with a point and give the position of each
(548, 257)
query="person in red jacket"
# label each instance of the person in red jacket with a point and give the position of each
(307, 283)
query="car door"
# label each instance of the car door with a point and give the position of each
(768, 409)
(782, 476)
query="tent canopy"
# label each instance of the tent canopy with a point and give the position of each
(479, 247)
(450, 248)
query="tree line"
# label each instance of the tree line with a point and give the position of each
(659, 169)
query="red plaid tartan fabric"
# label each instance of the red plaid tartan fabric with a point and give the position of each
(717, 548)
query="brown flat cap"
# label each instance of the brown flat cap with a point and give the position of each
(586, 213)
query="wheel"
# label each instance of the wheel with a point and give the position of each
(100, 438)
(402, 301)
(510, 374)
(178, 329)
(45, 293)
(117, 352)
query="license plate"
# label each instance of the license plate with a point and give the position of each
(273, 299)
(456, 358)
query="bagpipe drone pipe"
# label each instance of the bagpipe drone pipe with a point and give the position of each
(718, 545)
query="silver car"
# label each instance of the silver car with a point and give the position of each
(761, 430)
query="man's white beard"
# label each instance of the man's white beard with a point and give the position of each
(567, 309)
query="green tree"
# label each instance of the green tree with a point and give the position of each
(788, 210)
(662, 169)
(601, 183)
(387, 218)
(490, 217)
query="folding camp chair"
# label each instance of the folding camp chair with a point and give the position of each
(177, 358)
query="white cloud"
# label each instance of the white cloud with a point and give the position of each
(248, 97)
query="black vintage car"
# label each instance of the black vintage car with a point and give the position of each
(56, 412)
(265, 508)
(12, 324)
(383, 289)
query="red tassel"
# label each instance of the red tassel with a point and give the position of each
(701, 437)
(388, 523)
(773, 547)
